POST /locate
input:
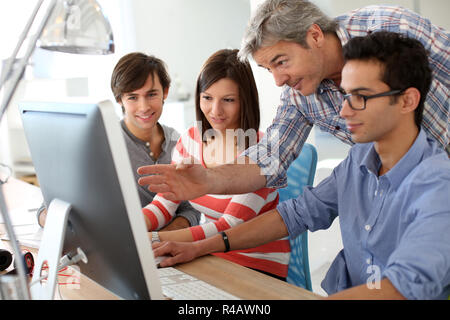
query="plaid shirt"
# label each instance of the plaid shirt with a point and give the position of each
(297, 114)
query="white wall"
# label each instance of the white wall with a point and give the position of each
(437, 11)
(185, 33)
(182, 32)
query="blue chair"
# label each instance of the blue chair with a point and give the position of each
(300, 174)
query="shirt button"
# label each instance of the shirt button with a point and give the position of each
(367, 227)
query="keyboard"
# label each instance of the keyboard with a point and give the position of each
(177, 285)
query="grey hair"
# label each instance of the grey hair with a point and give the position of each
(288, 20)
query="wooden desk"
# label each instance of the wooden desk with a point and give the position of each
(243, 282)
(231, 277)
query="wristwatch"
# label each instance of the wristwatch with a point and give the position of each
(155, 237)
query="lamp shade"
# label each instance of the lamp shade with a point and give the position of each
(78, 26)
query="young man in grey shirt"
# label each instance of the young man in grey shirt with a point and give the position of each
(140, 84)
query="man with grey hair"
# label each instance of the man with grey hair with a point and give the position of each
(302, 48)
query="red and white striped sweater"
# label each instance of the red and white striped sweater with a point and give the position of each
(222, 212)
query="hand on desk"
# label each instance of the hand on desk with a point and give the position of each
(176, 252)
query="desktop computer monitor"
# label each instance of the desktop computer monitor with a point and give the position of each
(80, 157)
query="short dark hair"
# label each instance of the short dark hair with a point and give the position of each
(404, 59)
(133, 69)
(225, 64)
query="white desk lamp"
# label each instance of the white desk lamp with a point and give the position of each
(71, 26)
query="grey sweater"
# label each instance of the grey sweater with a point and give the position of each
(139, 154)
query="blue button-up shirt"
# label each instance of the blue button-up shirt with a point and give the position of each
(396, 225)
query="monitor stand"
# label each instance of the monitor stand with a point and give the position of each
(50, 250)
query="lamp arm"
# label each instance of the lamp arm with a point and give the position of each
(24, 292)
(17, 76)
(9, 92)
(10, 62)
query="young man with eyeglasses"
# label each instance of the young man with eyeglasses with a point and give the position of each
(390, 193)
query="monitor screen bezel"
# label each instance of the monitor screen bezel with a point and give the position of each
(110, 131)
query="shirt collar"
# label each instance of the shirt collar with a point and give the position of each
(328, 84)
(371, 161)
(409, 161)
(128, 132)
(131, 135)
(167, 137)
(144, 143)
(342, 34)
(403, 167)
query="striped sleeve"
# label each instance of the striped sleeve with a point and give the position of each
(239, 209)
(160, 211)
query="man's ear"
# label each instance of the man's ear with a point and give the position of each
(410, 98)
(316, 36)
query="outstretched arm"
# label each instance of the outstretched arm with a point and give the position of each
(186, 182)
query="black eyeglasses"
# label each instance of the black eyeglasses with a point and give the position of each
(358, 101)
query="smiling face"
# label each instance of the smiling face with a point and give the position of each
(381, 119)
(144, 106)
(292, 65)
(221, 105)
